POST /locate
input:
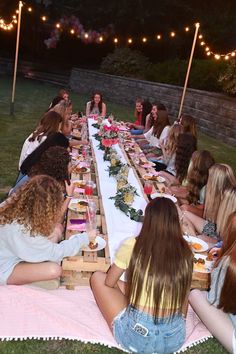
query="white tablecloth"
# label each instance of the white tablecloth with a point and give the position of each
(119, 225)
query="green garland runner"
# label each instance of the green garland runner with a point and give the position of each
(136, 215)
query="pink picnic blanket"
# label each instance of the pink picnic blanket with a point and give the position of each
(34, 313)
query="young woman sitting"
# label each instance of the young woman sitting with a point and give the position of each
(50, 123)
(96, 105)
(27, 218)
(217, 308)
(166, 162)
(157, 135)
(189, 125)
(186, 145)
(141, 113)
(146, 313)
(215, 229)
(221, 179)
(192, 196)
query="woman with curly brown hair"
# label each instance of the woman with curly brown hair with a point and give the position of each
(27, 218)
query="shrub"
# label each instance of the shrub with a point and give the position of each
(228, 79)
(204, 74)
(125, 62)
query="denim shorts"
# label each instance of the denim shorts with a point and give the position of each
(136, 332)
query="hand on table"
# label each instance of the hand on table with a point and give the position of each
(69, 188)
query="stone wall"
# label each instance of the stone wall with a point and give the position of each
(215, 113)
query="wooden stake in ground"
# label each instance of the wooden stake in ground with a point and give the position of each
(189, 67)
(16, 59)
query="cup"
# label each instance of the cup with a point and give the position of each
(88, 189)
(147, 187)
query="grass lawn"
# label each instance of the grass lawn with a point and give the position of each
(32, 99)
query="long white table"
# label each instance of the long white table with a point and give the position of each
(119, 225)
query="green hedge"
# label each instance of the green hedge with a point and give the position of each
(204, 73)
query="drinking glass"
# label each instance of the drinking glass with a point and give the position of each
(147, 187)
(88, 190)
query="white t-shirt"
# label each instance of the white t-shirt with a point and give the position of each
(16, 245)
(153, 140)
(28, 147)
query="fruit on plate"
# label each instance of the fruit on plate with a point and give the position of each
(93, 245)
(196, 246)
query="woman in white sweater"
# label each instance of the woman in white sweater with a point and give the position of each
(27, 219)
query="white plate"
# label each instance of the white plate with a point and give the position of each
(163, 195)
(72, 206)
(192, 239)
(154, 177)
(101, 244)
(78, 172)
(203, 268)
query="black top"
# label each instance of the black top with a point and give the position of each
(55, 139)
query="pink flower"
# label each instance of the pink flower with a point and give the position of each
(106, 128)
(106, 142)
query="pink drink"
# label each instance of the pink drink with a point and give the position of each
(88, 190)
(147, 188)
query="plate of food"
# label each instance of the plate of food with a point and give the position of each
(81, 169)
(163, 195)
(153, 177)
(196, 244)
(78, 205)
(202, 263)
(79, 183)
(95, 246)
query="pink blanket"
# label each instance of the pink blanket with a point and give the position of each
(35, 313)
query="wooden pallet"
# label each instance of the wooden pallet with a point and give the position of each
(78, 269)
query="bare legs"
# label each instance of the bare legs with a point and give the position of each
(25, 273)
(217, 322)
(110, 301)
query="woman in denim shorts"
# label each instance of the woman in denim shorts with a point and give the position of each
(146, 312)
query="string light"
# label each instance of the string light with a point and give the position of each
(10, 25)
(217, 56)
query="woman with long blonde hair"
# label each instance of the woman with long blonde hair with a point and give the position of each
(217, 308)
(147, 316)
(27, 219)
(221, 178)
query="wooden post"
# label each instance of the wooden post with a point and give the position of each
(189, 67)
(16, 59)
